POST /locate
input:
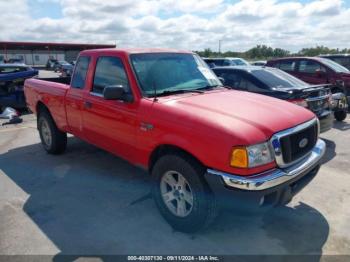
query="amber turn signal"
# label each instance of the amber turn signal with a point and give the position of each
(239, 157)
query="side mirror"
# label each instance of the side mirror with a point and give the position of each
(222, 80)
(116, 92)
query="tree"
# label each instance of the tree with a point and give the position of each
(318, 50)
(264, 52)
(207, 52)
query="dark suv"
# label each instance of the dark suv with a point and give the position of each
(318, 70)
(342, 59)
(276, 83)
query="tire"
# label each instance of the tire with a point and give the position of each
(53, 140)
(340, 115)
(203, 210)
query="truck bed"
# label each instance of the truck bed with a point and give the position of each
(51, 92)
(62, 80)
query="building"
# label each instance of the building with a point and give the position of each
(37, 53)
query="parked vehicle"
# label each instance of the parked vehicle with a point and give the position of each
(14, 61)
(203, 144)
(12, 78)
(342, 59)
(50, 64)
(227, 61)
(318, 70)
(66, 70)
(63, 66)
(259, 63)
(276, 83)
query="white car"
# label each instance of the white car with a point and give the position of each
(226, 61)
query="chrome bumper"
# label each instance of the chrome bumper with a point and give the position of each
(276, 176)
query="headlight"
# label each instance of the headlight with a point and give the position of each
(251, 156)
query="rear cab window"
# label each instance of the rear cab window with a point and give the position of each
(81, 68)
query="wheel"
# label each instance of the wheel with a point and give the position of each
(181, 195)
(53, 140)
(340, 115)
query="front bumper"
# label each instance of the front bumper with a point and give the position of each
(276, 186)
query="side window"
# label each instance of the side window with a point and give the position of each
(246, 84)
(109, 71)
(81, 69)
(286, 65)
(231, 79)
(310, 67)
(219, 62)
(226, 62)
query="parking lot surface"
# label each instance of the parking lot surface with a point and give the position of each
(90, 202)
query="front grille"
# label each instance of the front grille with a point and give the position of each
(296, 145)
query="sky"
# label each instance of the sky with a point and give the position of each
(180, 24)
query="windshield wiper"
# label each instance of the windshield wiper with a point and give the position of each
(180, 91)
(210, 87)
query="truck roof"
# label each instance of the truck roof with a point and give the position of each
(128, 51)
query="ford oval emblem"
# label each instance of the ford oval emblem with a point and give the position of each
(303, 142)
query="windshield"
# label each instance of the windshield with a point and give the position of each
(64, 63)
(277, 78)
(239, 62)
(172, 72)
(335, 66)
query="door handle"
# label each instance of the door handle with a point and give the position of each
(87, 104)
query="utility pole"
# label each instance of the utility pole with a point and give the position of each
(220, 46)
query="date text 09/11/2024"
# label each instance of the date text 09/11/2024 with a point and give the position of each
(173, 258)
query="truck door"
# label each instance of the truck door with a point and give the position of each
(110, 124)
(312, 72)
(75, 94)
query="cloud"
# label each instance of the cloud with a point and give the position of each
(322, 8)
(189, 24)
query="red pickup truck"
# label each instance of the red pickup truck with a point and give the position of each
(204, 144)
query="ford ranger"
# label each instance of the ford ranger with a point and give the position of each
(204, 144)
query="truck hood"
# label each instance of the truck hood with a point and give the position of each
(249, 117)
